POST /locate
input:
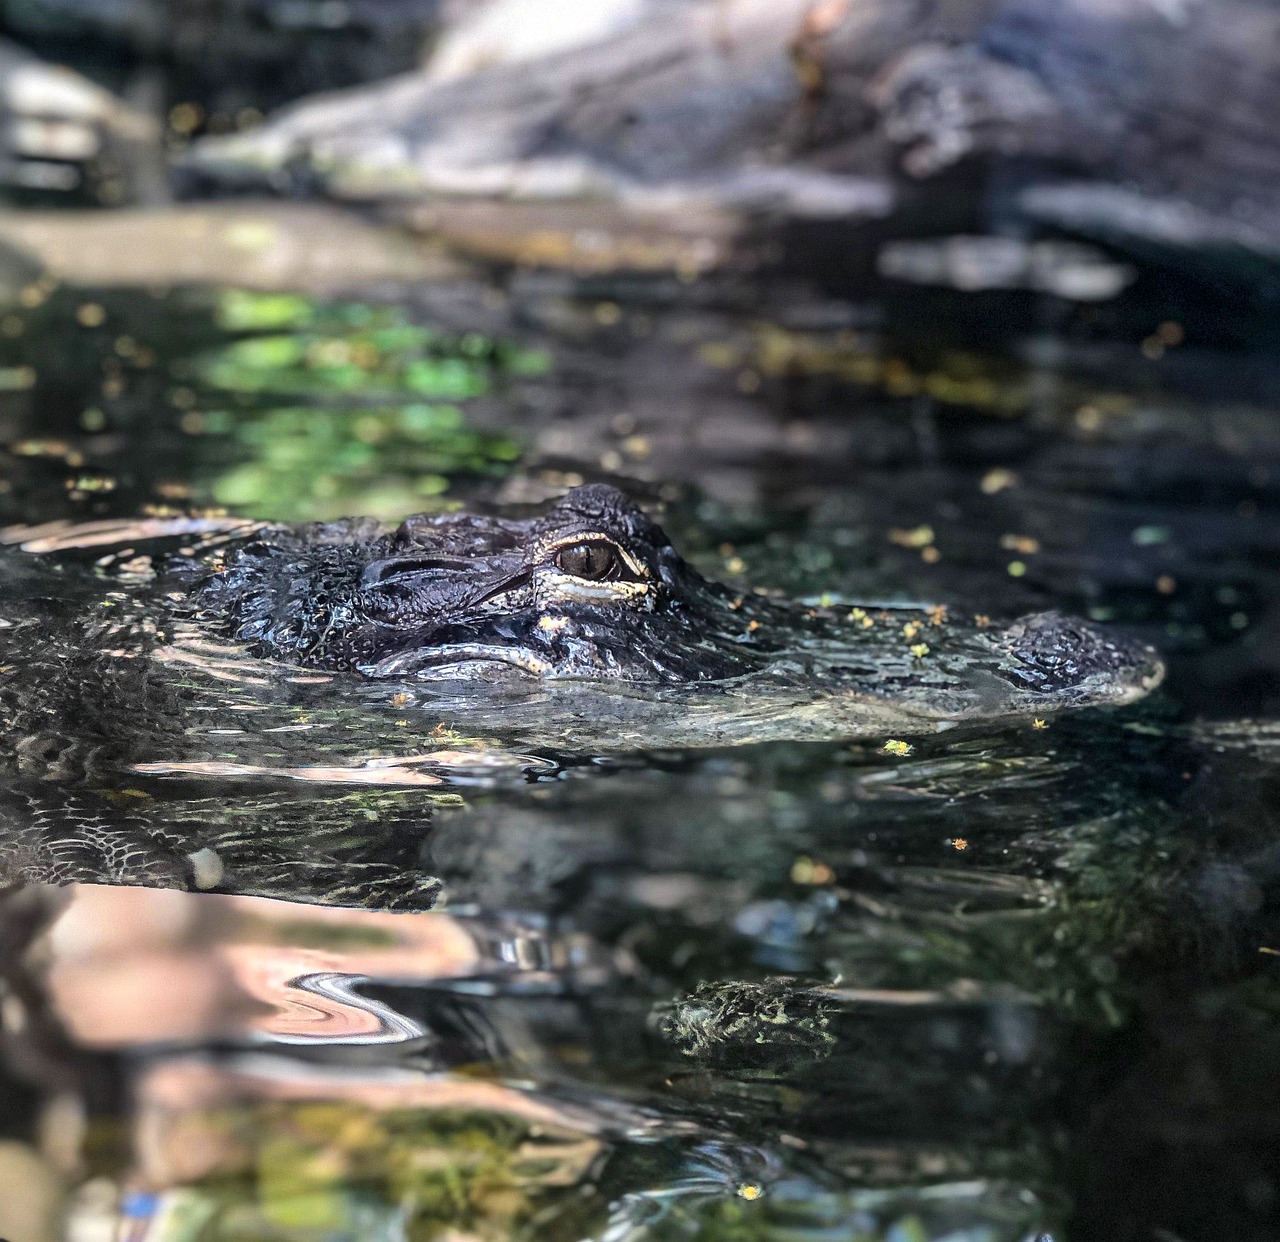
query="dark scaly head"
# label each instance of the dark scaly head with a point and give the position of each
(593, 590)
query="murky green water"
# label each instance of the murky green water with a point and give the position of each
(423, 973)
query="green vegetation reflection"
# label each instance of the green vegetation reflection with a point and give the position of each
(326, 1171)
(334, 409)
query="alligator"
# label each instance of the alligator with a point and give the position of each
(592, 590)
(338, 668)
(581, 623)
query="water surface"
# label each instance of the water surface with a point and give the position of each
(323, 966)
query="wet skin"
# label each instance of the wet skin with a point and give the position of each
(592, 591)
(580, 632)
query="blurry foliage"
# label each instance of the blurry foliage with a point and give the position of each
(302, 463)
(242, 310)
(393, 450)
(952, 377)
(274, 404)
(298, 346)
(1080, 945)
(330, 1170)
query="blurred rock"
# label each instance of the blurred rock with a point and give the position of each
(155, 20)
(648, 108)
(1069, 270)
(482, 34)
(1007, 113)
(61, 134)
(311, 248)
(31, 1198)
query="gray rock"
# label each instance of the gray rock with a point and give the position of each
(684, 100)
(61, 133)
(1068, 270)
(1070, 115)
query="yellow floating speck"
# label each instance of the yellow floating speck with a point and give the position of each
(1024, 545)
(918, 537)
(997, 480)
(806, 870)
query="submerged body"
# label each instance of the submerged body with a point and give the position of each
(592, 592)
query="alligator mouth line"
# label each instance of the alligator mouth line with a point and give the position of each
(456, 658)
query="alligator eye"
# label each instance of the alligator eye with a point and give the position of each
(594, 561)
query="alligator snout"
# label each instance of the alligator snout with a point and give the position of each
(1053, 654)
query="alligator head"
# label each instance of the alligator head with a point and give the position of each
(592, 591)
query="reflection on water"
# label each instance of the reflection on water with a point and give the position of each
(393, 437)
(300, 467)
(328, 962)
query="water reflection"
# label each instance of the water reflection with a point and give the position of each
(125, 967)
(262, 1146)
(389, 968)
(925, 1074)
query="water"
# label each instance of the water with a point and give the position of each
(424, 969)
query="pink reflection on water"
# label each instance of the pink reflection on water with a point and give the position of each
(133, 967)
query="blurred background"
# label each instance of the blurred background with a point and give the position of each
(970, 302)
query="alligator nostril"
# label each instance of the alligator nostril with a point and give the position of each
(1060, 652)
(1152, 668)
